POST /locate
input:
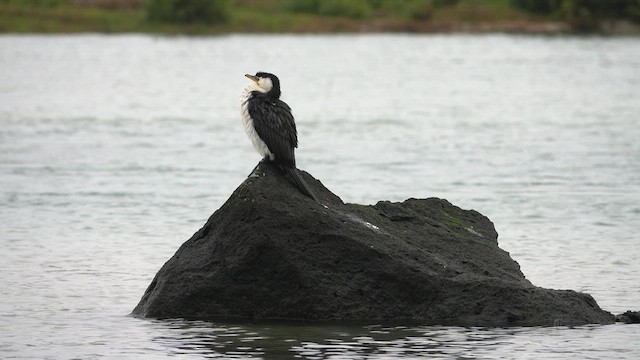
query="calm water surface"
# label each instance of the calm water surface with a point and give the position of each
(115, 149)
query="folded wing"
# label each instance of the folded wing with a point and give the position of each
(275, 125)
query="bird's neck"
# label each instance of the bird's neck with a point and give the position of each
(274, 93)
(254, 87)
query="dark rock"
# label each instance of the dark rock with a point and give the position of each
(629, 317)
(272, 253)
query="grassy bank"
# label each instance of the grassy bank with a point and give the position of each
(281, 16)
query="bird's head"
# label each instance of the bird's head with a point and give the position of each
(265, 83)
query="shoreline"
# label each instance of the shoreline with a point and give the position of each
(548, 29)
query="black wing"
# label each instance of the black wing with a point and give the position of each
(275, 125)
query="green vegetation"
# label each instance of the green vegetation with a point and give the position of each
(189, 11)
(583, 14)
(364, 9)
(224, 16)
(356, 9)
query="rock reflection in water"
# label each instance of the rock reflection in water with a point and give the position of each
(332, 341)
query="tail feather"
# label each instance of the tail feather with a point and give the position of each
(293, 175)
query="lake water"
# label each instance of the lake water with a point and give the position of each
(114, 150)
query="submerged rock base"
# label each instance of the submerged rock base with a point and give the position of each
(271, 253)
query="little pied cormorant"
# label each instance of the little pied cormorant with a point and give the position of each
(270, 125)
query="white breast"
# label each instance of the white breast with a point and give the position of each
(247, 122)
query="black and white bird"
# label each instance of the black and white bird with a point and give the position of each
(270, 125)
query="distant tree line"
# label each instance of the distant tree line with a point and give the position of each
(579, 14)
(584, 14)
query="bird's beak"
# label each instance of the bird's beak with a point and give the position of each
(254, 78)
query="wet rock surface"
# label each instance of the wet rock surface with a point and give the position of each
(629, 317)
(272, 253)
